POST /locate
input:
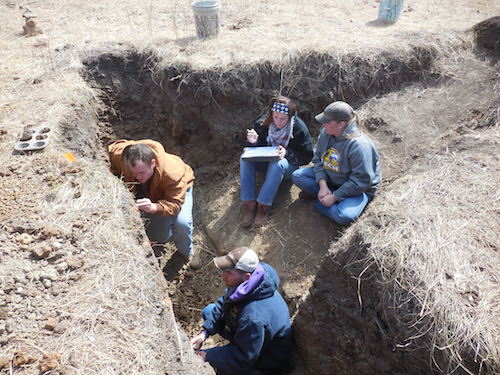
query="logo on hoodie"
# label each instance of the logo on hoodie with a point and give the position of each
(331, 160)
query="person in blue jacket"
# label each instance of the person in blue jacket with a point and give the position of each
(346, 171)
(252, 315)
(280, 126)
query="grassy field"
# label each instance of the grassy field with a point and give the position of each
(79, 290)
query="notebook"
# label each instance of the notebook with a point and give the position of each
(267, 153)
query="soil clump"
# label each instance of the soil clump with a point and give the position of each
(410, 287)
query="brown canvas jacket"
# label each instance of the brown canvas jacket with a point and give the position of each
(170, 181)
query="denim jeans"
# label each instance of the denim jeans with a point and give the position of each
(179, 228)
(275, 173)
(207, 310)
(342, 212)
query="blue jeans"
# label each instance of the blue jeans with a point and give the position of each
(275, 173)
(179, 228)
(207, 310)
(342, 212)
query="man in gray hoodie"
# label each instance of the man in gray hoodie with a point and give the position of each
(346, 172)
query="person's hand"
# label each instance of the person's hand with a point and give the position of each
(328, 200)
(252, 136)
(197, 341)
(323, 192)
(281, 152)
(146, 205)
(202, 354)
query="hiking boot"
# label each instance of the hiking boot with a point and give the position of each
(174, 266)
(305, 196)
(249, 214)
(261, 217)
(159, 251)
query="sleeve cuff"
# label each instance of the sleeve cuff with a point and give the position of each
(320, 176)
(338, 195)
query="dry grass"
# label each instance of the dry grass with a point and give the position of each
(276, 31)
(251, 31)
(116, 315)
(119, 321)
(442, 252)
(120, 318)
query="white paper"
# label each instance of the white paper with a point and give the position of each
(267, 153)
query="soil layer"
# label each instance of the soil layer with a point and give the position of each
(201, 117)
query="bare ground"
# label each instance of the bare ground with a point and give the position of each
(78, 284)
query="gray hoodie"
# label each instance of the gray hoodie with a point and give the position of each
(350, 163)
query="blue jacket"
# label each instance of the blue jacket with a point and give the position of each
(257, 324)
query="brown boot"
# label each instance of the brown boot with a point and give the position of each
(261, 217)
(249, 214)
(304, 195)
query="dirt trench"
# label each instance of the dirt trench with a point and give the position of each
(201, 117)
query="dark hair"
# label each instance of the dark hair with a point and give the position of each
(138, 152)
(292, 108)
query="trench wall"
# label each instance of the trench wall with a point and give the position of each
(201, 115)
(344, 325)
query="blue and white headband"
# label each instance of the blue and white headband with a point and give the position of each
(280, 107)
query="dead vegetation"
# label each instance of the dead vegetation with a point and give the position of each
(438, 145)
(439, 259)
(112, 314)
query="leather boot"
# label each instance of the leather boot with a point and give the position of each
(261, 217)
(304, 195)
(249, 214)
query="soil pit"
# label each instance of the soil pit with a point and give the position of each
(201, 116)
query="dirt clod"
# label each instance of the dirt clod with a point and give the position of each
(25, 238)
(486, 33)
(49, 361)
(50, 324)
(4, 363)
(41, 252)
(30, 27)
(50, 232)
(73, 262)
(22, 358)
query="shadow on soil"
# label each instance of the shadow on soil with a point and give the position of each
(201, 116)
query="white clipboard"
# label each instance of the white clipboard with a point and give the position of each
(266, 153)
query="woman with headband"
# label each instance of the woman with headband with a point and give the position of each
(280, 127)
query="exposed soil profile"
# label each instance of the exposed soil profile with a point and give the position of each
(214, 108)
(411, 287)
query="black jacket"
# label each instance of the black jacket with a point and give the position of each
(299, 150)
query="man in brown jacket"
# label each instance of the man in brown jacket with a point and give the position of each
(162, 184)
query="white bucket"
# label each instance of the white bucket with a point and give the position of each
(206, 18)
(389, 10)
